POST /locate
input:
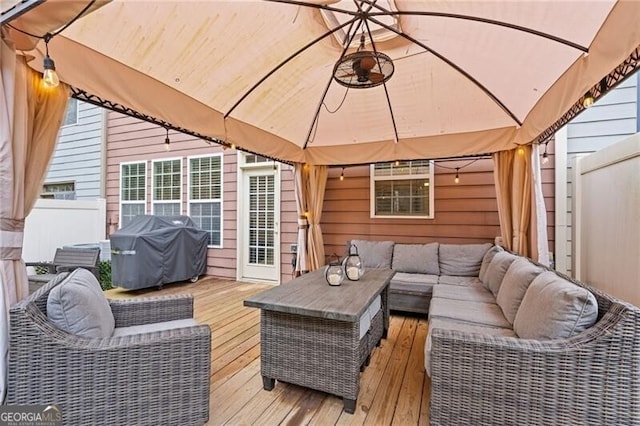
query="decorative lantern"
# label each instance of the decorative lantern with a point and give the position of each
(353, 266)
(333, 272)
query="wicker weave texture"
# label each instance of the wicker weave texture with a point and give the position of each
(145, 379)
(590, 379)
(317, 353)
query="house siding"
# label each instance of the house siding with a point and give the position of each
(466, 212)
(131, 140)
(611, 119)
(77, 156)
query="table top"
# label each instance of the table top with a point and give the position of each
(310, 295)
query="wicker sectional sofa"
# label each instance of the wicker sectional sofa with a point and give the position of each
(522, 344)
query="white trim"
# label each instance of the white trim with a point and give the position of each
(221, 200)
(240, 213)
(153, 178)
(146, 188)
(561, 212)
(372, 197)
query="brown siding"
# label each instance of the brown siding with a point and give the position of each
(130, 139)
(466, 212)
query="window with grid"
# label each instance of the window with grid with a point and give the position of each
(402, 189)
(59, 191)
(205, 195)
(133, 182)
(167, 187)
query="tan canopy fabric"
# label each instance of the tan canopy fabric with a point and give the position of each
(469, 77)
(30, 118)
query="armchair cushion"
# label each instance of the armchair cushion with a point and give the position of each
(486, 260)
(497, 269)
(78, 306)
(156, 326)
(514, 285)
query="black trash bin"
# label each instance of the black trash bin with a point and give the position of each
(154, 250)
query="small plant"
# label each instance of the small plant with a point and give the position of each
(105, 274)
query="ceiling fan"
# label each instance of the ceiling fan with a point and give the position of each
(363, 68)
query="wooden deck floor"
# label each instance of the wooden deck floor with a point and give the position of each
(394, 389)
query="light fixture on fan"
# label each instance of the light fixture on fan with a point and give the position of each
(363, 69)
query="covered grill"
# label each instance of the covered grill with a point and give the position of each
(154, 250)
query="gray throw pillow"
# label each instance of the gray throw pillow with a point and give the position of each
(461, 259)
(514, 285)
(486, 260)
(416, 258)
(554, 308)
(78, 306)
(496, 270)
(374, 254)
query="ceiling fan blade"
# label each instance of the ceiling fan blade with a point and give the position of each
(367, 63)
(376, 77)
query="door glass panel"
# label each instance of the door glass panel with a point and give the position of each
(261, 223)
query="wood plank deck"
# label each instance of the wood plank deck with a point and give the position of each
(394, 389)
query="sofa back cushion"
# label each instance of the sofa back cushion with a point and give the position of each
(486, 260)
(78, 306)
(496, 270)
(461, 259)
(514, 285)
(416, 258)
(374, 254)
(554, 308)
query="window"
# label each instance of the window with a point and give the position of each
(167, 187)
(402, 189)
(205, 195)
(59, 191)
(71, 114)
(133, 182)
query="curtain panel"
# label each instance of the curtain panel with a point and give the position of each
(30, 119)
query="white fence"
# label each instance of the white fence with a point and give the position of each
(607, 219)
(56, 223)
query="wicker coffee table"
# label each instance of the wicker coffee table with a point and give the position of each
(310, 332)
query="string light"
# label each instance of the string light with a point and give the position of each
(49, 76)
(588, 99)
(397, 163)
(545, 156)
(520, 150)
(233, 146)
(457, 178)
(167, 142)
(342, 174)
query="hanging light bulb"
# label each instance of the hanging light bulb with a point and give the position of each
(588, 99)
(233, 146)
(167, 142)
(457, 178)
(49, 76)
(397, 163)
(545, 156)
(520, 150)
(342, 174)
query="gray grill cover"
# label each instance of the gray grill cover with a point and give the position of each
(154, 250)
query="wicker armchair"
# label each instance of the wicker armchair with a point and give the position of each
(154, 378)
(590, 379)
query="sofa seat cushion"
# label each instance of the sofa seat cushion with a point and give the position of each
(458, 292)
(459, 326)
(375, 254)
(514, 285)
(419, 284)
(461, 259)
(78, 306)
(497, 269)
(156, 326)
(481, 313)
(460, 281)
(554, 308)
(416, 258)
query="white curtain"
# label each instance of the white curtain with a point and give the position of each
(30, 118)
(539, 237)
(300, 184)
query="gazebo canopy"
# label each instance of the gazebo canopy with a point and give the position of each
(470, 77)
